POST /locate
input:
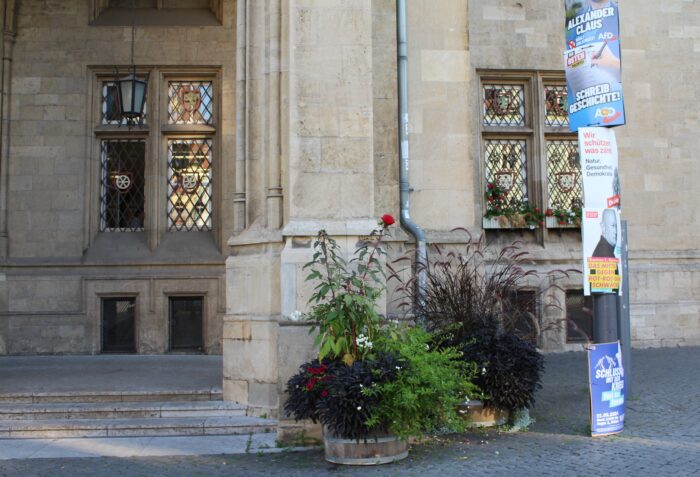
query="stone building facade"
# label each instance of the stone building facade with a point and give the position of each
(300, 133)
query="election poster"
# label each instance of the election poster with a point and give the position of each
(607, 388)
(598, 155)
(593, 64)
(601, 251)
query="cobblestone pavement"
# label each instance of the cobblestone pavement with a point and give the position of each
(662, 437)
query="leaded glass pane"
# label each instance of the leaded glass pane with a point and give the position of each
(564, 175)
(122, 194)
(506, 167)
(504, 105)
(556, 105)
(110, 105)
(189, 184)
(190, 102)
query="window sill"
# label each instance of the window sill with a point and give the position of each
(502, 222)
(553, 223)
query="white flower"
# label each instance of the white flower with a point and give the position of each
(398, 368)
(296, 315)
(361, 386)
(483, 370)
(359, 408)
(363, 342)
(427, 347)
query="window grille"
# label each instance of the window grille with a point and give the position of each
(190, 102)
(122, 196)
(564, 175)
(506, 166)
(504, 105)
(189, 184)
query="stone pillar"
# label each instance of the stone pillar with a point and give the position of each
(8, 17)
(309, 154)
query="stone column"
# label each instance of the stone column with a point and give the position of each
(7, 12)
(310, 124)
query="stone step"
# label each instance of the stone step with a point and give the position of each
(145, 427)
(209, 394)
(120, 410)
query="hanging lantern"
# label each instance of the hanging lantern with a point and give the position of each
(131, 93)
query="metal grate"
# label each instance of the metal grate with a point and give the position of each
(110, 105)
(579, 317)
(118, 320)
(521, 308)
(186, 323)
(190, 102)
(122, 194)
(504, 105)
(564, 175)
(189, 184)
(556, 106)
(506, 167)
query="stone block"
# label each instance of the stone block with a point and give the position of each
(236, 390)
(444, 65)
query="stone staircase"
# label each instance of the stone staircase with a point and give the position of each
(124, 414)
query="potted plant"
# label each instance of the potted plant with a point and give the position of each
(562, 217)
(474, 301)
(374, 383)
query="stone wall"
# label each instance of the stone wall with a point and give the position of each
(54, 252)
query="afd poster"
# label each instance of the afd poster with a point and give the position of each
(607, 388)
(593, 64)
(598, 154)
(602, 248)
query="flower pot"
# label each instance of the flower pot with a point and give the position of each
(372, 451)
(479, 416)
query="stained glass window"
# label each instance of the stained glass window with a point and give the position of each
(190, 102)
(564, 175)
(122, 194)
(504, 105)
(506, 166)
(110, 105)
(189, 184)
(556, 105)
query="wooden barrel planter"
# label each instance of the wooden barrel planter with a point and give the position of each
(480, 416)
(372, 451)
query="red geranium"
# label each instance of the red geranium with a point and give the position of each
(318, 370)
(311, 383)
(387, 220)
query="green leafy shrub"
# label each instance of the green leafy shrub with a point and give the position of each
(427, 388)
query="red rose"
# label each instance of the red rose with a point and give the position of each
(311, 383)
(324, 393)
(541, 223)
(537, 211)
(387, 220)
(491, 186)
(549, 212)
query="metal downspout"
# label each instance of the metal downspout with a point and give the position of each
(404, 184)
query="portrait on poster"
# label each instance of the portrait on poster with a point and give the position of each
(602, 251)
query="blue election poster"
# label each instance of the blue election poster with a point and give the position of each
(607, 385)
(592, 62)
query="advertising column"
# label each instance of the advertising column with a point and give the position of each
(594, 87)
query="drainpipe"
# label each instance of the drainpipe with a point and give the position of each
(404, 185)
